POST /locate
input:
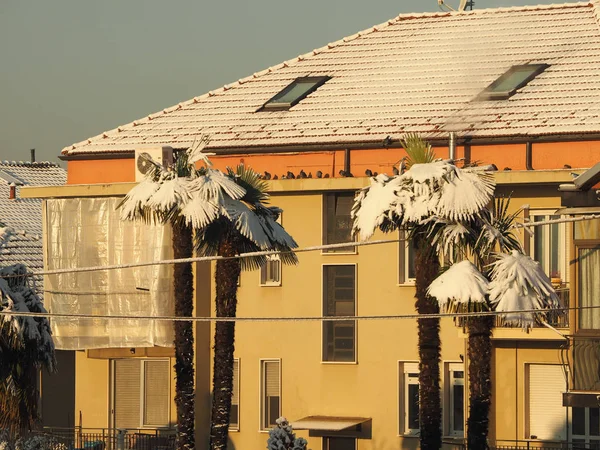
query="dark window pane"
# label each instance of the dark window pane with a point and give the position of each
(413, 406)
(458, 407)
(411, 260)
(594, 421)
(578, 418)
(458, 374)
(338, 341)
(338, 220)
(274, 412)
(233, 416)
(340, 443)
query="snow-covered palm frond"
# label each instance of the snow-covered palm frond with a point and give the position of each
(461, 287)
(196, 151)
(450, 237)
(200, 213)
(464, 193)
(214, 185)
(437, 189)
(136, 201)
(171, 193)
(29, 333)
(247, 223)
(519, 284)
(375, 205)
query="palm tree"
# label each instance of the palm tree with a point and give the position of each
(25, 346)
(517, 282)
(425, 201)
(224, 215)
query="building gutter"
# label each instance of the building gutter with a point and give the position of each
(364, 145)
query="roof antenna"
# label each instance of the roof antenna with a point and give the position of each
(463, 6)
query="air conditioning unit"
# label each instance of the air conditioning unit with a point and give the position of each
(144, 158)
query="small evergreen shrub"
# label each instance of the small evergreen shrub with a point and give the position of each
(282, 437)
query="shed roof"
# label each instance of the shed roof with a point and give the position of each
(415, 73)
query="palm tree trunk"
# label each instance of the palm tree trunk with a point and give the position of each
(184, 338)
(480, 383)
(430, 411)
(226, 280)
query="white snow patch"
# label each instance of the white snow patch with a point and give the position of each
(460, 285)
(519, 283)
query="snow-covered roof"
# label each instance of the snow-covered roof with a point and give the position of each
(415, 73)
(24, 215)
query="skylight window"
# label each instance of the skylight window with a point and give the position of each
(510, 81)
(293, 93)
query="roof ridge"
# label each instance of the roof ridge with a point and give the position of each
(317, 51)
(28, 163)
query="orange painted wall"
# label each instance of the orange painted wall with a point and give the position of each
(100, 171)
(545, 156)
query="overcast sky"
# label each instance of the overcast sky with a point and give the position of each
(71, 69)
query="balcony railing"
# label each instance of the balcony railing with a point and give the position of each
(559, 319)
(106, 439)
(543, 445)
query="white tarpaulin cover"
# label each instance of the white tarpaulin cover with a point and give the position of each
(84, 232)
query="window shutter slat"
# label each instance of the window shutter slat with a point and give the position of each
(546, 413)
(156, 383)
(127, 393)
(235, 398)
(272, 378)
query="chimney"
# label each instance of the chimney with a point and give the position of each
(13, 191)
(32, 155)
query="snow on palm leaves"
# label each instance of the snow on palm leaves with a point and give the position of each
(201, 197)
(459, 288)
(519, 284)
(436, 190)
(30, 333)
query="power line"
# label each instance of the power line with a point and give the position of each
(291, 319)
(267, 252)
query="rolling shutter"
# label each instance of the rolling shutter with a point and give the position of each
(156, 393)
(127, 393)
(547, 416)
(272, 378)
(235, 397)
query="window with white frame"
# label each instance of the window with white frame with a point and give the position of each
(585, 427)
(337, 220)
(339, 443)
(548, 245)
(546, 413)
(234, 414)
(339, 299)
(141, 393)
(409, 398)
(270, 272)
(456, 399)
(406, 259)
(270, 393)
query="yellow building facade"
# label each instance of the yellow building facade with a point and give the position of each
(351, 384)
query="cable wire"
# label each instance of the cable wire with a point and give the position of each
(289, 319)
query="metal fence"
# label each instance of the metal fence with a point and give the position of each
(107, 439)
(543, 445)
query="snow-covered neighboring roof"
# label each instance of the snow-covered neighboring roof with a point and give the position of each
(24, 215)
(415, 73)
